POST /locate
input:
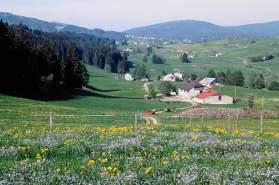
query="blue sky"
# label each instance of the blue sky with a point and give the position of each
(121, 15)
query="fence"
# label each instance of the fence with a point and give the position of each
(134, 120)
(125, 118)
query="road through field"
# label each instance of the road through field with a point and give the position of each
(145, 86)
(147, 119)
(245, 63)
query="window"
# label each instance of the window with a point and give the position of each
(201, 91)
(220, 98)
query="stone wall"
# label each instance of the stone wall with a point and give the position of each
(224, 112)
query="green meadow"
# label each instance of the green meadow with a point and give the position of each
(94, 139)
(233, 53)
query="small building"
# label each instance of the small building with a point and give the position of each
(173, 93)
(213, 97)
(144, 80)
(190, 90)
(129, 77)
(208, 82)
(129, 50)
(169, 77)
(219, 54)
(178, 75)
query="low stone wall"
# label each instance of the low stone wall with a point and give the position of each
(223, 112)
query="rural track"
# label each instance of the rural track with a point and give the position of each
(145, 86)
(245, 63)
(154, 120)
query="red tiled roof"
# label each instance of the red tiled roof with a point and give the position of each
(206, 94)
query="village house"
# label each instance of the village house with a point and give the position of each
(213, 97)
(178, 75)
(129, 77)
(208, 82)
(169, 77)
(190, 90)
(129, 50)
(219, 54)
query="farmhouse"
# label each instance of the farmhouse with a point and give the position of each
(219, 54)
(178, 75)
(169, 77)
(208, 82)
(128, 77)
(213, 97)
(190, 90)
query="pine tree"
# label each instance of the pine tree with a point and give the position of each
(122, 67)
(211, 74)
(74, 71)
(145, 59)
(184, 58)
(53, 65)
(125, 56)
(22, 37)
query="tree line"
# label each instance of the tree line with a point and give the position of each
(91, 49)
(25, 69)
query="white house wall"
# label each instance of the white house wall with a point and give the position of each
(215, 100)
(191, 93)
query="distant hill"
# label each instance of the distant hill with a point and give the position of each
(45, 26)
(196, 30)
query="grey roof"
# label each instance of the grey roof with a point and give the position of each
(190, 85)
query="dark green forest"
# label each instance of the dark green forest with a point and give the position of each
(34, 61)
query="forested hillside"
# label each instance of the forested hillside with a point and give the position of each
(47, 62)
(45, 26)
(199, 30)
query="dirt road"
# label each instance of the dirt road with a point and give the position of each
(147, 119)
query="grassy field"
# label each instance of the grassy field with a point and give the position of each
(233, 52)
(82, 152)
(104, 148)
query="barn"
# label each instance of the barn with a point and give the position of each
(213, 97)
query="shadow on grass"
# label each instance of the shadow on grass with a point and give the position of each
(130, 64)
(95, 76)
(99, 90)
(65, 94)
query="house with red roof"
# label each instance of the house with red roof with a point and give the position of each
(213, 97)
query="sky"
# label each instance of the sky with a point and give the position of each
(121, 15)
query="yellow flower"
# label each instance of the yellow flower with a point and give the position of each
(194, 138)
(114, 169)
(174, 153)
(38, 156)
(165, 162)
(91, 162)
(268, 161)
(148, 170)
(58, 170)
(82, 167)
(109, 168)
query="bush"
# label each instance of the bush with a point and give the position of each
(273, 86)
(165, 88)
(158, 59)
